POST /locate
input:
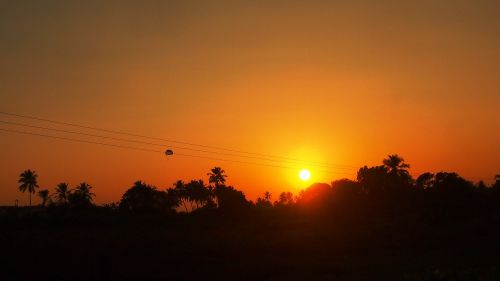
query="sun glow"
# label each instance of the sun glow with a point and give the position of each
(304, 174)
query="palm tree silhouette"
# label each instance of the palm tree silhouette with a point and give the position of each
(217, 176)
(267, 196)
(181, 192)
(285, 198)
(62, 192)
(44, 195)
(83, 191)
(145, 198)
(28, 181)
(396, 165)
(198, 193)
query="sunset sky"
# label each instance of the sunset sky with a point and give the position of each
(338, 82)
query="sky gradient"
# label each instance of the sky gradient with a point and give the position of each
(343, 82)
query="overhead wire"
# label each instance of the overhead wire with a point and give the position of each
(170, 140)
(146, 149)
(158, 144)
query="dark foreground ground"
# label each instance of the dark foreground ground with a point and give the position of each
(281, 244)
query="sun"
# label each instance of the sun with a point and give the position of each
(304, 174)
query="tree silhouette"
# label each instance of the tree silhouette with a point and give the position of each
(61, 193)
(173, 199)
(81, 196)
(83, 189)
(285, 198)
(396, 165)
(198, 193)
(267, 196)
(44, 195)
(144, 198)
(373, 180)
(425, 181)
(229, 198)
(315, 194)
(398, 171)
(179, 190)
(217, 176)
(28, 181)
(447, 182)
(344, 194)
(391, 178)
(265, 201)
(345, 188)
(217, 179)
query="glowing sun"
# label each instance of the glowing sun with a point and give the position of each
(304, 174)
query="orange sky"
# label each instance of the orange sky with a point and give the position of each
(343, 82)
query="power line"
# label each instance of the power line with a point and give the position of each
(77, 140)
(155, 144)
(145, 149)
(169, 140)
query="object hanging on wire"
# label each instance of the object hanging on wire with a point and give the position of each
(169, 152)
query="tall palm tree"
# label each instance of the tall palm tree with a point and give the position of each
(28, 181)
(396, 165)
(44, 195)
(217, 176)
(62, 192)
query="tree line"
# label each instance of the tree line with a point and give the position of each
(388, 182)
(81, 195)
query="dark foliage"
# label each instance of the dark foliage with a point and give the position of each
(143, 198)
(383, 226)
(81, 196)
(228, 198)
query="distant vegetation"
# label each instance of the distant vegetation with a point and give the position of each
(384, 225)
(389, 182)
